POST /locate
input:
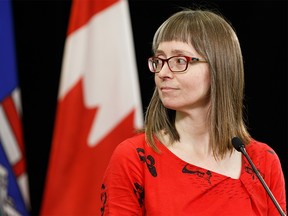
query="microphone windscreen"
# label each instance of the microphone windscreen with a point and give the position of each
(237, 143)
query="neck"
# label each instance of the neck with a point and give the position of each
(194, 132)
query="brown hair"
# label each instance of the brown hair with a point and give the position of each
(214, 39)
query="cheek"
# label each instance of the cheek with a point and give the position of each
(200, 84)
(207, 82)
(204, 79)
(156, 80)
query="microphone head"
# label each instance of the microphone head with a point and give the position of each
(237, 144)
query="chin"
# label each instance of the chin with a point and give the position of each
(171, 106)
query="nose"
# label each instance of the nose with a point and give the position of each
(165, 71)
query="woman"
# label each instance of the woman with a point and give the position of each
(183, 163)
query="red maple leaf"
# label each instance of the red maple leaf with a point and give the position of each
(76, 170)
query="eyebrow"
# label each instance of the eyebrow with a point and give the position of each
(174, 52)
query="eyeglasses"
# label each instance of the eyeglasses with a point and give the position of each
(175, 63)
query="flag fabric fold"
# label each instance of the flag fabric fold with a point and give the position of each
(14, 192)
(99, 105)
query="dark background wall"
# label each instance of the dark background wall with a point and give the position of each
(40, 28)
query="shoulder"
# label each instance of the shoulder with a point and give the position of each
(260, 149)
(129, 148)
(263, 155)
(130, 156)
(130, 144)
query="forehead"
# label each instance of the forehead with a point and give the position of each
(175, 47)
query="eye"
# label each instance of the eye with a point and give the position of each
(156, 61)
(181, 60)
(155, 64)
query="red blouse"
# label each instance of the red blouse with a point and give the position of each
(139, 181)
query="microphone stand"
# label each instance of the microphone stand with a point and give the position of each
(243, 150)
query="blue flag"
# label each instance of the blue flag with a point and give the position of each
(13, 176)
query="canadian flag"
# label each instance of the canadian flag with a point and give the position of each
(99, 105)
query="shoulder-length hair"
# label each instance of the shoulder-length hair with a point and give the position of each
(215, 39)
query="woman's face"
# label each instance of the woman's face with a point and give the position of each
(183, 91)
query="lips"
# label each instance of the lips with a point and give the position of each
(166, 88)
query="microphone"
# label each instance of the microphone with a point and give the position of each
(239, 146)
